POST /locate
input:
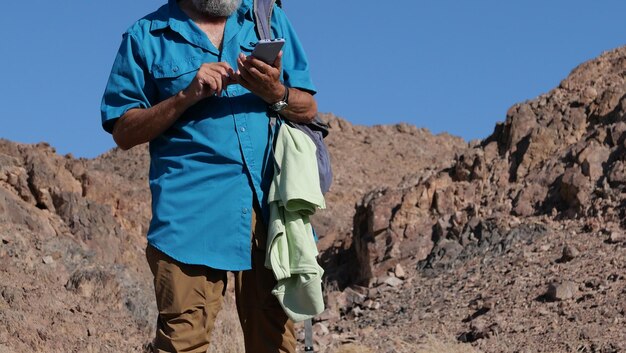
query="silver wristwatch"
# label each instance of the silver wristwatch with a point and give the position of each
(283, 103)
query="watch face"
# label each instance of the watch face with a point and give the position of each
(278, 106)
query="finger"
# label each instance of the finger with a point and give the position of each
(219, 79)
(252, 74)
(226, 74)
(242, 81)
(237, 77)
(258, 64)
(245, 62)
(219, 70)
(225, 82)
(278, 62)
(245, 74)
(211, 85)
(243, 69)
(232, 76)
(213, 69)
(206, 68)
(256, 73)
(225, 65)
(218, 83)
(217, 75)
(240, 62)
(203, 80)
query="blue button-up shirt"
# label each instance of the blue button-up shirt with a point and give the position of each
(205, 169)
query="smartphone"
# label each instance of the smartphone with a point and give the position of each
(267, 49)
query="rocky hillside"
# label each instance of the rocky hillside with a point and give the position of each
(73, 232)
(530, 219)
(72, 274)
(562, 154)
(510, 244)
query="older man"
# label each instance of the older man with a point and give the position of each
(184, 81)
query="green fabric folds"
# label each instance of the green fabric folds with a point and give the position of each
(291, 250)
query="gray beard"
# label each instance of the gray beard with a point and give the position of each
(216, 8)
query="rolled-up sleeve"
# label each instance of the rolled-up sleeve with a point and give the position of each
(129, 85)
(295, 63)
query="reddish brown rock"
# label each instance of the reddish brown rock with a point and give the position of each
(592, 160)
(575, 188)
(562, 291)
(487, 217)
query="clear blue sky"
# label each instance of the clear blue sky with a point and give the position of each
(453, 66)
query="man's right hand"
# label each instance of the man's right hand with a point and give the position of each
(210, 80)
(140, 125)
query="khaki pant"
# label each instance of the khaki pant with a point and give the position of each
(190, 296)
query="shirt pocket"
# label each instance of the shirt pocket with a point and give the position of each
(172, 76)
(247, 45)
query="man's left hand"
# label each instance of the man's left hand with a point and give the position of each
(260, 78)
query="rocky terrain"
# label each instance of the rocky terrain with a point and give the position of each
(510, 244)
(520, 243)
(73, 272)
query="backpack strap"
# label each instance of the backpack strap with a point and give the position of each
(262, 16)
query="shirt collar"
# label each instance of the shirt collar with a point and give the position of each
(173, 17)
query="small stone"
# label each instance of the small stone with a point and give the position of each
(589, 94)
(545, 248)
(372, 282)
(373, 293)
(336, 300)
(368, 303)
(615, 237)
(478, 327)
(357, 311)
(570, 252)
(321, 341)
(543, 311)
(489, 303)
(353, 297)
(380, 281)
(393, 281)
(564, 291)
(320, 329)
(91, 331)
(366, 331)
(399, 271)
(329, 315)
(48, 260)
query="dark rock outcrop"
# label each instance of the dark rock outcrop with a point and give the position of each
(560, 155)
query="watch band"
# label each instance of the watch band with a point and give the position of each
(283, 103)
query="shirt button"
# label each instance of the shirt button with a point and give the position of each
(244, 210)
(242, 129)
(175, 69)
